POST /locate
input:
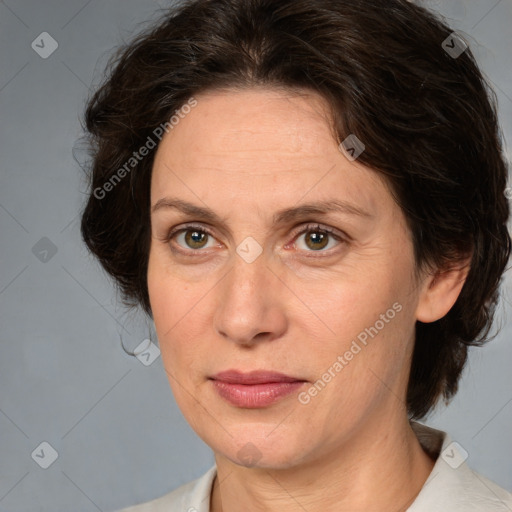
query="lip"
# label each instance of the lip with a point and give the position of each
(256, 389)
(254, 377)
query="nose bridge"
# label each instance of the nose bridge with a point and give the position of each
(247, 302)
(245, 282)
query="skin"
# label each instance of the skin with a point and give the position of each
(246, 155)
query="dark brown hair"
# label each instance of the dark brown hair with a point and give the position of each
(427, 118)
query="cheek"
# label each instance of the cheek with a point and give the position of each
(174, 317)
(371, 322)
(176, 308)
(360, 370)
(166, 304)
(352, 304)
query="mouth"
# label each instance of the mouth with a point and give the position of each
(255, 389)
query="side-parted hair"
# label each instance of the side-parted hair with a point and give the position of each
(426, 116)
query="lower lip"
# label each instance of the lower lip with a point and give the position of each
(255, 395)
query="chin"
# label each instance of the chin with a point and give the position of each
(255, 448)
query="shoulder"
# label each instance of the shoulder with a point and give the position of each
(193, 496)
(452, 485)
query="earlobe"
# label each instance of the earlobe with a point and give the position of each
(440, 291)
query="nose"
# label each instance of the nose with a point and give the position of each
(250, 305)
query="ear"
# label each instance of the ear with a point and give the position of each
(440, 290)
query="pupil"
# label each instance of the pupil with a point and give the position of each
(195, 238)
(317, 239)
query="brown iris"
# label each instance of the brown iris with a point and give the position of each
(318, 238)
(195, 239)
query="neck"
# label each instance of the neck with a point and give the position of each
(382, 469)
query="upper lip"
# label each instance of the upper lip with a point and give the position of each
(254, 377)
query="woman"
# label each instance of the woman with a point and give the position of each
(307, 198)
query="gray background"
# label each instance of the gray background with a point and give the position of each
(64, 378)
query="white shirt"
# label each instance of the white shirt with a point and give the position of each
(452, 486)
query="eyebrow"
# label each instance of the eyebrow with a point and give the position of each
(284, 216)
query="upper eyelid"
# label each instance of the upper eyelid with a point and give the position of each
(187, 227)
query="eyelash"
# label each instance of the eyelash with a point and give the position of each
(307, 229)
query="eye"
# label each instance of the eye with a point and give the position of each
(317, 238)
(193, 238)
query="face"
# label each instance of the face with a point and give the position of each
(281, 280)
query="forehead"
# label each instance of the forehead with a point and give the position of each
(258, 141)
(254, 121)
